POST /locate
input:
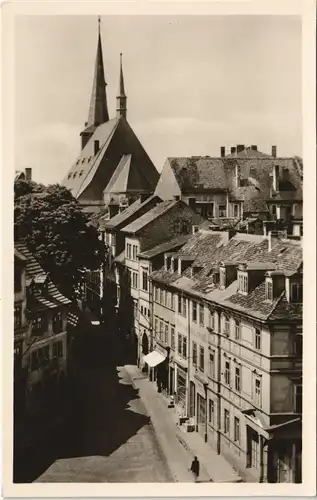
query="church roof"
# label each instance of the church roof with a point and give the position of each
(87, 163)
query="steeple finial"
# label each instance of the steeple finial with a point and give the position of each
(121, 97)
(98, 109)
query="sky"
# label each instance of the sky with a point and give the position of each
(194, 84)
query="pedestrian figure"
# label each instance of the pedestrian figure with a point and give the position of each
(195, 468)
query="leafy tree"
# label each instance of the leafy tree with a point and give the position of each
(50, 221)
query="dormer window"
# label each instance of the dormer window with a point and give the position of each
(297, 293)
(269, 290)
(222, 276)
(243, 283)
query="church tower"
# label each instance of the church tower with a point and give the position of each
(98, 109)
(121, 97)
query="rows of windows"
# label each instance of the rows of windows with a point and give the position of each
(198, 356)
(131, 251)
(145, 311)
(237, 382)
(164, 297)
(162, 330)
(236, 426)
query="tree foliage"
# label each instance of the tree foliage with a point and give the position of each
(50, 221)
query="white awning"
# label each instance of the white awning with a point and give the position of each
(154, 358)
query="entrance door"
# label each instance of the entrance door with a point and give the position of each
(192, 399)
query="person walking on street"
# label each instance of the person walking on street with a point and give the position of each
(195, 468)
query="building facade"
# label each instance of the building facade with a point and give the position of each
(235, 362)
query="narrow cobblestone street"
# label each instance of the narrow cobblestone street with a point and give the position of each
(109, 437)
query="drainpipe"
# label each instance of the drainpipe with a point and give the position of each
(206, 413)
(218, 387)
(150, 372)
(188, 359)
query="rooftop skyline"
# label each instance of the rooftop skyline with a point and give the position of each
(193, 84)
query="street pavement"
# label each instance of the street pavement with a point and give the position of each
(109, 436)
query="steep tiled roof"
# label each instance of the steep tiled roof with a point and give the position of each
(34, 272)
(119, 219)
(165, 247)
(210, 248)
(201, 173)
(150, 216)
(87, 163)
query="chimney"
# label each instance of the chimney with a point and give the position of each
(274, 151)
(28, 174)
(276, 176)
(254, 147)
(240, 147)
(96, 147)
(232, 150)
(274, 238)
(192, 202)
(222, 151)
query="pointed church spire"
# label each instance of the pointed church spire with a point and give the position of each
(121, 97)
(98, 109)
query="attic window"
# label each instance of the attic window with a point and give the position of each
(89, 158)
(77, 162)
(297, 293)
(69, 176)
(243, 283)
(81, 173)
(74, 175)
(269, 291)
(83, 160)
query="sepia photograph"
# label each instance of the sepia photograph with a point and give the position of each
(158, 249)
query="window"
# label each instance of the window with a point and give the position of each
(298, 345)
(142, 310)
(222, 276)
(298, 398)
(237, 379)
(255, 451)
(184, 347)
(161, 296)
(164, 298)
(37, 325)
(257, 392)
(179, 304)
(172, 337)
(269, 290)
(58, 350)
(173, 302)
(257, 341)
(212, 321)
(235, 210)
(194, 311)
(135, 252)
(184, 307)
(222, 210)
(211, 412)
(161, 330)
(17, 279)
(179, 344)
(166, 334)
(236, 429)
(201, 358)
(297, 293)
(145, 278)
(201, 314)
(194, 354)
(212, 364)
(156, 294)
(237, 331)
(274, 211)
(57, 323)
(128, 251)
(227, 372)
(148, 313)
(17, 317)
(135, 280)
(168, 299)
(156, 327)
(226, 325)
(243, 283)
(226, 422)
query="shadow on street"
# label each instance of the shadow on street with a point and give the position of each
(101, 419)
